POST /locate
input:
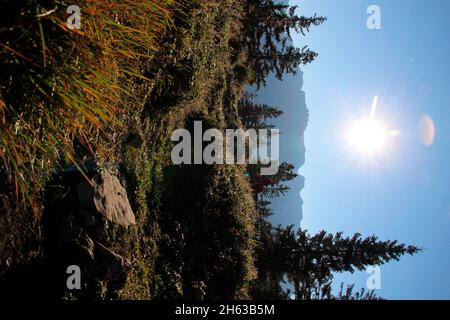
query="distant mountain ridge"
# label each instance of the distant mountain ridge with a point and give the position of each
(288, 96)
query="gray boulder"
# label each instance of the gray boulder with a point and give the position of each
(107, 197)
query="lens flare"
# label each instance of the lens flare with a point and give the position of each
(427, 130)
(368, 136)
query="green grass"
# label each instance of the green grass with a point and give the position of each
(166, 64)
(65, 92)
(179, 205)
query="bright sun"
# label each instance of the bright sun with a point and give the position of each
(368, 136)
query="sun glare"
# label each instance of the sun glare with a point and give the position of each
(368, 136)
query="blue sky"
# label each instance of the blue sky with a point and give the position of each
(403, 192)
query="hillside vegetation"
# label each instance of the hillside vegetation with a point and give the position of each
(108, 97)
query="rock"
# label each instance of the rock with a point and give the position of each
(77, 241)
(116, 265)
(85, 193)
(89, 220)
(85, 245)
(111, 199)
(107, 197)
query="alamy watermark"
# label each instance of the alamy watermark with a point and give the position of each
(374, 280)
(374, 19)
(74, 20)
(263, 147)
(73, 281)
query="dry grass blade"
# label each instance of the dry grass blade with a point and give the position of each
(59, 86)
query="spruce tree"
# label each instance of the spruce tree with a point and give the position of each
(309, 261)
(328, 253)
(254, 115)
(278, 188)
(268, 27)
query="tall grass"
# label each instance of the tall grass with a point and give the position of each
(61, 89)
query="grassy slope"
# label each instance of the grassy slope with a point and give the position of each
(62, 93)
(196, 224)
(216, 208)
